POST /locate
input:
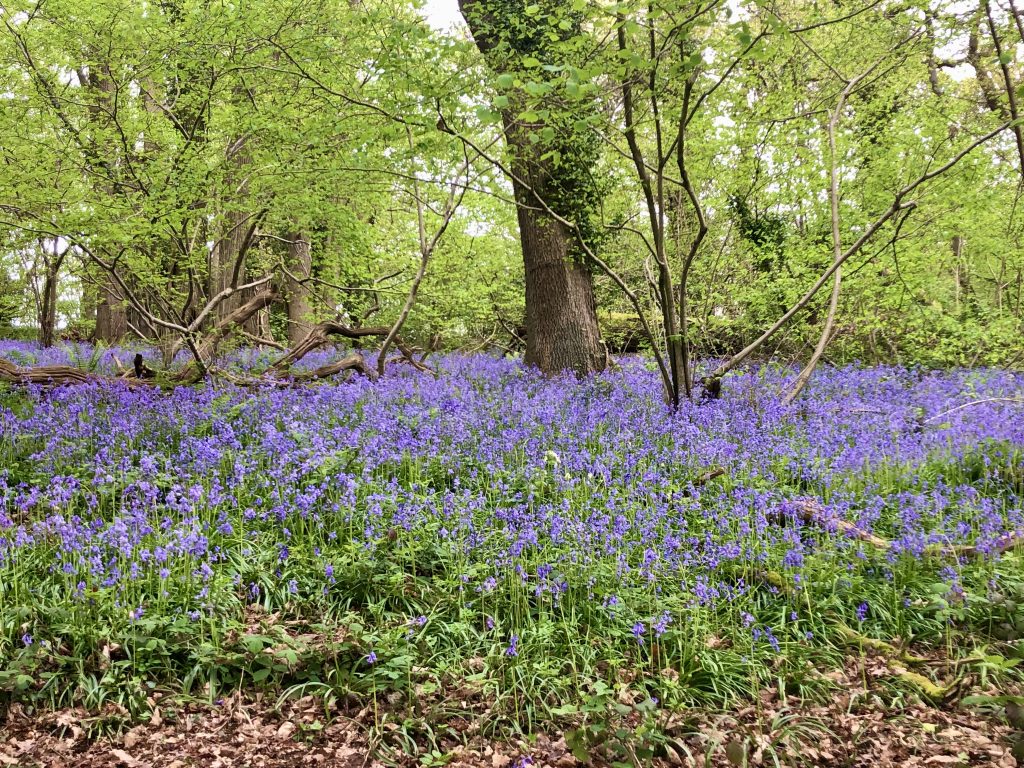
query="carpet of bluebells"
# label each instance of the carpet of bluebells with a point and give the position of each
(530, 536)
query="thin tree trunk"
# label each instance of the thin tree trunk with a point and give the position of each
(837, 241)
(48, 309)
(958, 248)
(1011, 93)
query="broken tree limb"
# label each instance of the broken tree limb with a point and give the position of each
(321, 334)
(811, 512)
(854, 638)
(353, 362)
(207, 346)
(936, 417)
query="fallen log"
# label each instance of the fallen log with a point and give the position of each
(353, 362)
(43, 374)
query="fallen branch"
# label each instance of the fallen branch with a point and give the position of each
(321, 334)
(854, 638)
(811, 512)
(353, 362)
(704, 479)
(936, 417)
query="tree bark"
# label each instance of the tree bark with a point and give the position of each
(111, 317)
(111, 313)
(561, 316)
(300, 311)
(48, 308)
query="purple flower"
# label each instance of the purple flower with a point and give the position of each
(862, 611)
(638, 632)
(371, 658)
(26, 639)
(513, 646)
(662, 624)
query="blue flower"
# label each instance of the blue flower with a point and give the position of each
(638, 632)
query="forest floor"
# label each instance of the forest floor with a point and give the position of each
(856, 728)
(491, 569)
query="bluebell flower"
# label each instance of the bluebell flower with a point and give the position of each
(638, 632)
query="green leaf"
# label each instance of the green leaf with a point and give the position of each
(565, 709)
(254, 643)
(487, 116)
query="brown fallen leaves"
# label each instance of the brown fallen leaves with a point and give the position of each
(857, 729)
(239, 731)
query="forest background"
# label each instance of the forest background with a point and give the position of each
(690, 169)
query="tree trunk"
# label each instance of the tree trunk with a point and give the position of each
(111, 314)
(231, 253)
(300, 311)
(111, 317)
(48, 308)
(561, 316)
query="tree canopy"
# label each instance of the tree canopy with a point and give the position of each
(708, 180)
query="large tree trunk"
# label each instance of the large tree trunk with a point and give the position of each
(232, 251)
(561, 317)
(111, 316)
(300, 311)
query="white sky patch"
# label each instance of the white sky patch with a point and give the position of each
(478, 228)
(443, 15)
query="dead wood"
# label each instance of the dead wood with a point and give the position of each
(811, 512)
(352, 362)
(322, 333)
(43, 374)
